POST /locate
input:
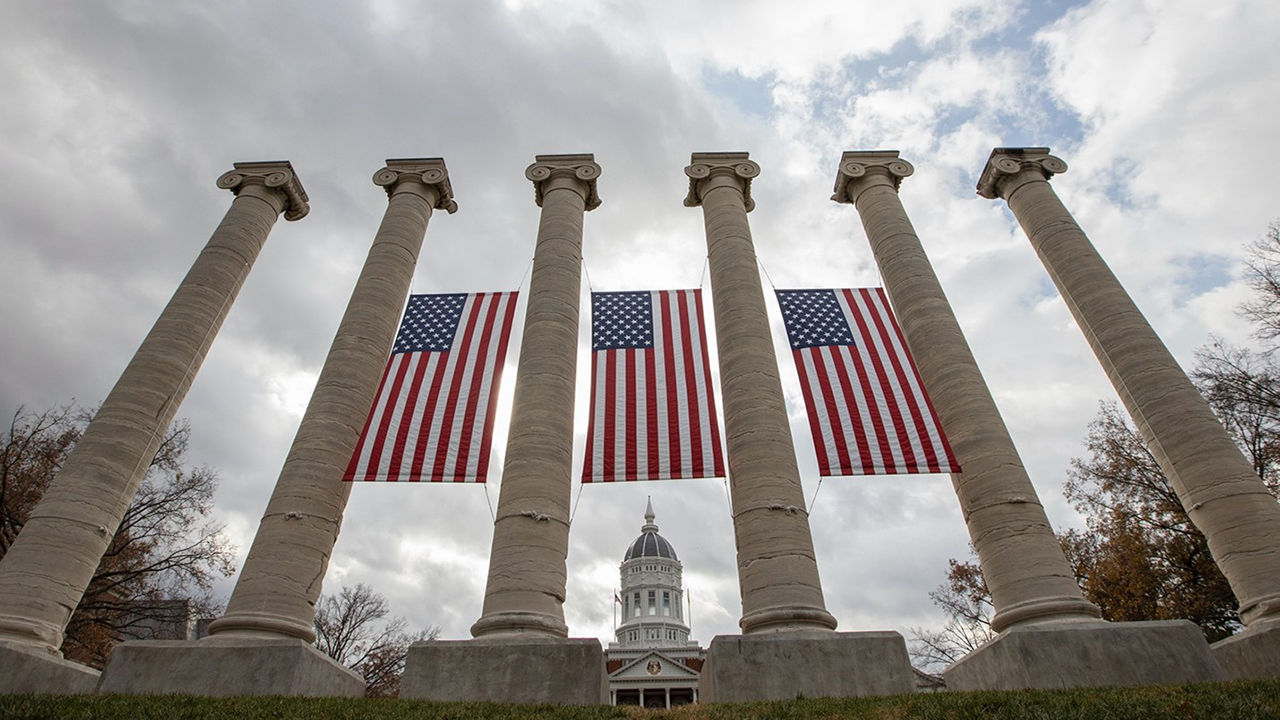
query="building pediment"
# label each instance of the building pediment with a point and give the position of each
(654, 665)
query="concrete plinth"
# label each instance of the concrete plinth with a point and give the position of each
(1088, 654)
(507, 669)
(30, 670)
(224, 667)
(1250, 655)
(787, 665)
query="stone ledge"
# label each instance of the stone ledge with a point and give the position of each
(514, 669)
(1253, 654)
(1088, 654)
(29, 670)
(222, 667)
(786, 665)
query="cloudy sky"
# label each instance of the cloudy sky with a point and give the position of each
(115, 120)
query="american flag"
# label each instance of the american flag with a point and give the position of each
(868, 412)
(432, 419)
(653, 411)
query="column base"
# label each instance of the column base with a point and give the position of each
(1252, 654)
(223, 667)
(1087, 654)
(32, 671)
(807, 663)
(507, 669)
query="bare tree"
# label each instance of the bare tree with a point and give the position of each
(353, 628)
(166, 549)
(1263, 275)
(967, 603)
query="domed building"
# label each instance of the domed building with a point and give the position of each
(653, 663)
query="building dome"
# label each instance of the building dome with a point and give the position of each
(650, 543)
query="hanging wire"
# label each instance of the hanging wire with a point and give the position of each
(489, 503)
(766, 272)
(576, 502)
(585, 271)
(524, 277)
(706, 262)
(728, 498)
(814, 499)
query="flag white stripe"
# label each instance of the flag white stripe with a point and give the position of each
(419, 407)
(695, 360)
(641, 415)
(620, 414)
(599, 440)
(933, 434)
(820, 407)
(663, 386)
(380, 407)
(831, 357)
(899, 402)
(681, 387)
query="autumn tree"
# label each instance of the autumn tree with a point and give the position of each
(166, 549)
(1141, 557)
(354, 628)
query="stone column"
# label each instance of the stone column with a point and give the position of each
(526, 587)
(1226, 500)
(787, 646)
(275, 595)
(521, 634)
(1022, 561)
(45, 573)
(777, 572)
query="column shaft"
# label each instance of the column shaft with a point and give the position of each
(276, 592)
(777, 570)
(1022, 562)
(46, 571)
(1222, 494)
(526, 585)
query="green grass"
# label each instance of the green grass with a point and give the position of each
(1206, 700)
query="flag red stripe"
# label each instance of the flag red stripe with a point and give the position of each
(431, 404)
(865, 395)
(674, 449)
(588, 469)
(717, 453)
(694, 412)
(499, 362)
(473, 394)
(429, 428)
(457, 381)
(888, 402)
(866, 459)
(631, 430)
(936, 434)
(871, 300)
(402, 429)
(820, 362)
(661, 420)
(364, 440)
(651, 415)
(610, 413)
(380, 437)
(807, 385)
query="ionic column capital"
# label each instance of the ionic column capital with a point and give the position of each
(1009, 168)
(276, 175)
(578, 172)
(734, 166)
(406, 173)
(860, 169)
